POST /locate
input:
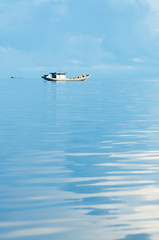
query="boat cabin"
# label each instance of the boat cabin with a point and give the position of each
(59, 75)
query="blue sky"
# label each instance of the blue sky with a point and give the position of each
(39, 36)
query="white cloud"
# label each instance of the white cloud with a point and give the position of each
(30, 232)
(76, 61)
(153, 18)
(38, 2)
(117, 67)
(115, 42)
(85, 38)
(154, 5)
(15, 13)
(10, 52)
(137, 60)
(61, 9)
(41, 69)
(122, 4)
(15, 62)
(11, 15)
(86, 49)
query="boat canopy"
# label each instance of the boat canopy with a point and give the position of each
(61, 75)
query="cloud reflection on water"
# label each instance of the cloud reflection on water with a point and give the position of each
(116, 193)
(32, 232)
(88, 169)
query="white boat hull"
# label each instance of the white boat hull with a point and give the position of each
(80, 78)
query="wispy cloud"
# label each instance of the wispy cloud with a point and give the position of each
(38, 2)
(138, 60)
(76, 61)
(17, 62)
(86, 48)
(30, 232)
(154, 5)
(124, 33)
(16, 13)
(85, 38)
(117, 67)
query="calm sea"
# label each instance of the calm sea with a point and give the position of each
(79, 160)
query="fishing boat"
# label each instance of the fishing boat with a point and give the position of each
(15, 77)
(61, 76)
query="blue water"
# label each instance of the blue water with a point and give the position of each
(79, 160)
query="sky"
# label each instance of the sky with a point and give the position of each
(86, 36)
